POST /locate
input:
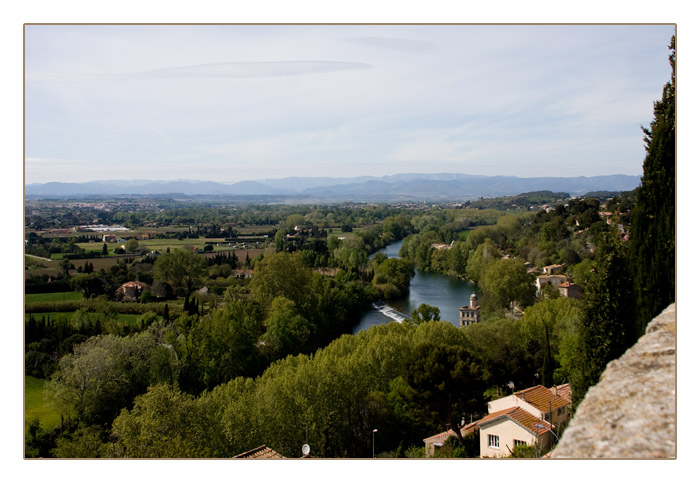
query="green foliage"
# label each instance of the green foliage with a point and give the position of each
(131, 245)
(282, 275)
(506, 281)
(448, 382)
(393, 277)
(213, 350)
(544, 325)
(85, 442)
(653, 234)
(425, 313)
(468, 447)
(182, 268)
(287, 332)
(484, 255)
(608, 327)
(525, 451)
(102, 375)
(166, 423)
(504, 352)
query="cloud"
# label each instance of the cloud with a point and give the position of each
(250, 69)
(394, 43)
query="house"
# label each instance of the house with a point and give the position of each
(527, 417)
(570, 290)
(505, 430)
(437, 440)
(243, 273)
(553, 280)
(261, 452)
(470, 314)
(553, 269)
(109, 238)
(547, 404)
(130, 290)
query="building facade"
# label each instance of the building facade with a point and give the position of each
(470, 314)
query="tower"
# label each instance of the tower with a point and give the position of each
(470, 314)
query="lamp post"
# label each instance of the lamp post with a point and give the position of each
(542, 426)
(374, 431)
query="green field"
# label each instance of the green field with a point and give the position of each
(35, 406)
(52, 297)
(128, 318)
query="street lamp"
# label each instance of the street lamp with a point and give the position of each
(542, 426)
(374, 431)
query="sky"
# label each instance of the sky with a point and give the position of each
(248, 102)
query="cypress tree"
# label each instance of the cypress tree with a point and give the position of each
(608, 327)
(652, 234)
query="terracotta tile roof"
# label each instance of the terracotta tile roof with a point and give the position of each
(442, 437)
(261, 452)
(520, 416)
(563, 391)
(541, 397)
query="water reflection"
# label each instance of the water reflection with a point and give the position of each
(446, 293)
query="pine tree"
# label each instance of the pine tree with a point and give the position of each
(652, 235)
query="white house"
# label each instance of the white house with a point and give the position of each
(527, 417)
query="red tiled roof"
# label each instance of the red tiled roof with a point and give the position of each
(442, 437)
(520, 416)
(261, 452)
(563, 391)
(542, 398)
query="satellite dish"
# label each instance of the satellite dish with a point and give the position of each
(306, 449)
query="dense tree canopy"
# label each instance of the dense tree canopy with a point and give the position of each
(653, 234)
(185, 270)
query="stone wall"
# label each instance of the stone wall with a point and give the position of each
(631, 412)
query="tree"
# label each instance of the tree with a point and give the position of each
(185, 270)
(287, 332)
(506, 281)
(89, 284)
(608, 326)
(652, 234)
(393, 277)
(102, 375)
(485, 254)
(282, 275)
(425, 313)
(544, 324)
(449, 382)
(131, 245)
(166, 423)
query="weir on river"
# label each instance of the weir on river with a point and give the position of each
(390, 312)
(446, 293)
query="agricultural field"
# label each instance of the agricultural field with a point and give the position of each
(36, 407)
(52, 297)
(130, 319)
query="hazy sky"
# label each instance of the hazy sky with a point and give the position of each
(228, 103)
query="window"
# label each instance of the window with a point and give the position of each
(517, 442)
(493, 441)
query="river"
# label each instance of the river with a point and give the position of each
(446, 293)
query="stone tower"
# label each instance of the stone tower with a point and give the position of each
(470, 314)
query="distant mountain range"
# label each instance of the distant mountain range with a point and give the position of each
(399, 187)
